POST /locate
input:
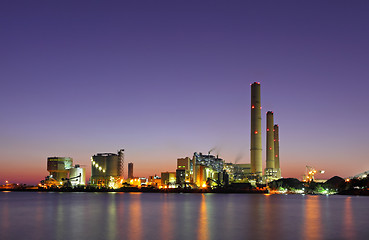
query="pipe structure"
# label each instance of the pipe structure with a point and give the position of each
(276, 151)
(270, 141)
(255, 143)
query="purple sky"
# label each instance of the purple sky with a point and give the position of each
(164, 79)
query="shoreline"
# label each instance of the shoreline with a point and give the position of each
(135, 190)
(220, 191)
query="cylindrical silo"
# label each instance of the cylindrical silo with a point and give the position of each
(112, 165)
(77, 176)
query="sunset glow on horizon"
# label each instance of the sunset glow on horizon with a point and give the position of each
(165, 80)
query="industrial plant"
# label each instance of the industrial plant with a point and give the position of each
(107, 169)
(205, 170)
(272, 170)
(63, 173)
(198, 171)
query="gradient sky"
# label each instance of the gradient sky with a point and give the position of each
(165, 79)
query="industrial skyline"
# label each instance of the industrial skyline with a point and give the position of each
(164, 80)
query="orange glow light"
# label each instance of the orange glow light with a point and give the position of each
(256, 132)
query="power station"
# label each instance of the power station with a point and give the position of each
(202, 170)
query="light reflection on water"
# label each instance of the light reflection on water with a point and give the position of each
(348, 220)
(135, 218)
(139, 216)
(313, 218)
(203, 220)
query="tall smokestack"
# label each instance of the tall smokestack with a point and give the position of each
(130, 170)
(276, 151)
(270, 141)
(194, 169)
(255, 146)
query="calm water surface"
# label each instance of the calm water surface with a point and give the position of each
(28, 215)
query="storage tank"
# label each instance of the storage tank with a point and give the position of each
(104, 167)
(77, 176)
(98, 165)
(112, 165)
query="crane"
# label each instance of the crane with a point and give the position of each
(309, 175)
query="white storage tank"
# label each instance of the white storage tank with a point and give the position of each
(77, 176)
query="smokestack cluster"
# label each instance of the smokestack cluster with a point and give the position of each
(272, 170)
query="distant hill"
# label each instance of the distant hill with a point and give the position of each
(287, 183)
(335, 183)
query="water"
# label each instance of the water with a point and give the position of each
(135, 216)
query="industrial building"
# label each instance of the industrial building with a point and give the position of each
(206, 166)
(238, 172)
(58, 167)
(77, 176)
(168, 179)
(62, 173)
(107, 169)
(181, 178)
(136, 181)
(184, 170)
(154, 181)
